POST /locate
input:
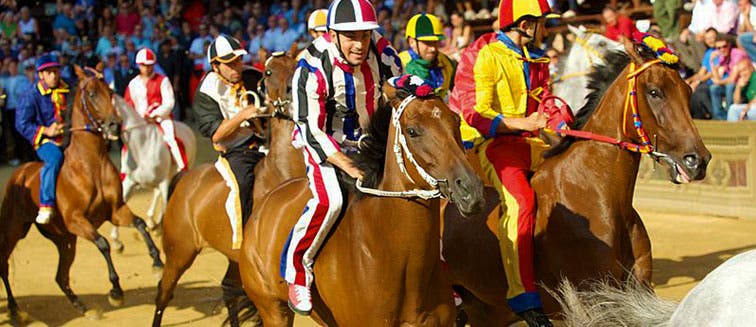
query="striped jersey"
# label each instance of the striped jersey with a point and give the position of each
(333, 100)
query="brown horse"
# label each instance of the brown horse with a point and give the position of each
(192, 209)
(88, 194)
(381, 263)
(586, 225)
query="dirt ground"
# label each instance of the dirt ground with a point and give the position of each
(685, 249)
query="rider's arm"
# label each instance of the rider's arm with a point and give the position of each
(210, 120)
(388, 55)
(481, 115)
(308, 101)
(166, 93)
(25, 121)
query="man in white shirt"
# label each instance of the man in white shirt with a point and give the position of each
(720, 14)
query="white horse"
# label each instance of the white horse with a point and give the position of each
(150, 164)
(726, 297)
(588, 49)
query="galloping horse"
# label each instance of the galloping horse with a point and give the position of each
(192, 220)
(150, 163)
(586, 225)
(588, 50)
(381, 263)
(88, 194)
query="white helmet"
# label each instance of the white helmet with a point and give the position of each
(352, 15)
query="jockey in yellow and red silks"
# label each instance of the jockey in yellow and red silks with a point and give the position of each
(497, 85)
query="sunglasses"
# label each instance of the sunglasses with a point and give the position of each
(722, 47)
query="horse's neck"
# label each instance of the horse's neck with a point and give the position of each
(280, 132)
(577, 60)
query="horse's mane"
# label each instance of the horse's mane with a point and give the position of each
(372, 156)
(599, 81)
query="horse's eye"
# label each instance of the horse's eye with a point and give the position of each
(268, 72)
(91, 94)
(602, 44)
(412, 132)
(655, 93)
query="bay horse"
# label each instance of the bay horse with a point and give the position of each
(192, 220)
(381, 263)
(586, 225)
(150, 165)
(88, 194)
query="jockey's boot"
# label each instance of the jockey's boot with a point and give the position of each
(44, 215)
(300, 300)
(535, 318)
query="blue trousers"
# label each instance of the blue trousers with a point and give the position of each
(52, 156)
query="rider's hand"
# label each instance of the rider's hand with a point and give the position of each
(536, 121)
(249, 112)
(53, 130)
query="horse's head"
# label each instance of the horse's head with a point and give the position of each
(663, 104)
(276, 82)
(433, 148)
(590, 45)
(96, 104)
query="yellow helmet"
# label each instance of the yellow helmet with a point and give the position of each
(318, 20)
(425, 27)
(512, 10)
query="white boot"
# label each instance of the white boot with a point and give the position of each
(44, 215)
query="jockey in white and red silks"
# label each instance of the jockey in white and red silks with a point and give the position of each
(151, 95)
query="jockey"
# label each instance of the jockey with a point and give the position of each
(337, 85)
(222, 113)
(40, 119)
(424, 33)
(316, 23)
(151, 95)
(497, 87)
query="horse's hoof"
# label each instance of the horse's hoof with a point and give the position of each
(20, 318)
(118, 247)
(93, 314)
(115, 301)
(157, 272)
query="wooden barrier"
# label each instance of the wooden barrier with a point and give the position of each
(729, 188)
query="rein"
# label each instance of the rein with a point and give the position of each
(630, 107)
(95, 126)
(401, 150)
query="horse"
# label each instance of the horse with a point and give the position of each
(150, 163)
(384, 252)
(192, 220)
(586, 226)
(88, 194)
(720, 299)
(588, 50)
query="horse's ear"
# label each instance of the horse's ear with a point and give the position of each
(263, 55)
(293, 50)
(79, 72)
(100, 67)
(574, 30)
(389, 93)
(633, 50)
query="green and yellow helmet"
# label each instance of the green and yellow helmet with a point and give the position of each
(425, 27)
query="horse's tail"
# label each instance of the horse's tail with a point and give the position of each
(604, 304)
(174, 182)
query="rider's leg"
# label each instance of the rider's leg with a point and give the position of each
(308, 234)
(170, 137)
(52, 156)
(507, 160)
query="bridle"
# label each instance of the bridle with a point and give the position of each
(95, 126)
(630, 109)
(401, 150)
(279, 104)
(592, 52)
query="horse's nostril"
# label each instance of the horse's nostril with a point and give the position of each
(691, 161)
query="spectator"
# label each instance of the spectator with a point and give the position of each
(130, 49)
(109, 71)
(747, 36)
(126, 20)
(724, 75)
(106, 43)
(106, 19)
(28, 28)
(720, 14)
(271, 33)
(285, 37)
(700, 101)
(8, 25)
(64, 19)
(187, 36)
(196, 50)
(149, 21)
(123, 74)
(667, 14)
(255, 43)
(139, 38)
(461, 36)
(617, 26)
(744, 108)
(87, 55)
(6, 51)
(14, 85)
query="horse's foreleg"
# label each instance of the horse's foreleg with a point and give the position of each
(141, 226)
(641, 248)
(151, 221)
(178, 257)
(116, 293)
(163, 187)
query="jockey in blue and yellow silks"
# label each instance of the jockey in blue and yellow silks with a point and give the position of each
(497, 86)
(424, 33)
(40, 119)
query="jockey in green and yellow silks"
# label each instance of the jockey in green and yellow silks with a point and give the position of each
(500, 79)
(423, 59)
